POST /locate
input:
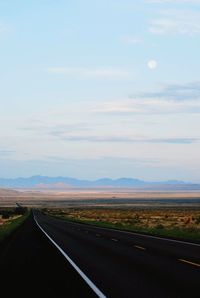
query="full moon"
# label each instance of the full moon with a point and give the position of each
(152, 64)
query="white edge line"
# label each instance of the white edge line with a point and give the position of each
(138, 234)
(155, 237)
(80, 272)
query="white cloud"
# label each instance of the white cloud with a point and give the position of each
(92, 133)
(184, 22)
(84, 72)
(5, 152)
(125, 138)
(131, 40)
(177, 92)
(148, 106)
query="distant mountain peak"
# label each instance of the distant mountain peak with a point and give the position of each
(39, 181)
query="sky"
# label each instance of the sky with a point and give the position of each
(100, 88)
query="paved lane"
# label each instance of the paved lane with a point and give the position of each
(30, 266)
(123, 264)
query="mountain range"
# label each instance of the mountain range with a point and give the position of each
(45, 182)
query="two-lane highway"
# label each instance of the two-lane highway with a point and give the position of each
(124, 264)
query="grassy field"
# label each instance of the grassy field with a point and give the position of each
(10, 221)
(180, 223)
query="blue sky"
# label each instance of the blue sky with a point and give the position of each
(100, 88)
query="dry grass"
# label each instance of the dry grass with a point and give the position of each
(8, 226)
(175, 222)
(8, 220)
(143, 218)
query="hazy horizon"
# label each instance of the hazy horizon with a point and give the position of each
(98, 179)
(93, 89)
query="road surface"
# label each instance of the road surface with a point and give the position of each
(115, 263)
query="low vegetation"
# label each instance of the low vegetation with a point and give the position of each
(171, 222)
(10, 220)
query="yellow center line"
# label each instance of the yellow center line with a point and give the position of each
(113, 239)
(140, 247)
(188, 262)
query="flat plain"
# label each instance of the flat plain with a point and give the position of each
(98, 197)
(168, 213)
(111, 258)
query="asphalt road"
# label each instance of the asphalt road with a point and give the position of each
(118, 264)
(31, 267)
(123, 264)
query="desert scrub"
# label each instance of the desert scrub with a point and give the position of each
(174, 222)
(11, 225)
